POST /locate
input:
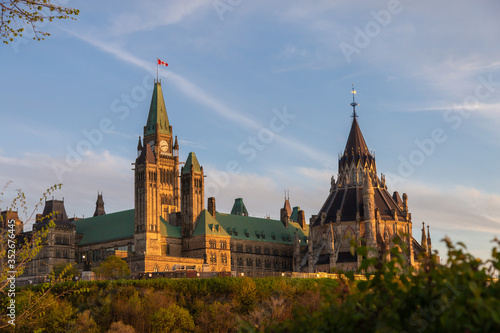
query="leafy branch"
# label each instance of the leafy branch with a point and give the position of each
(17, 15)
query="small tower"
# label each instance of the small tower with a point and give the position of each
(139, 147)
(239, 207)
(176, 147)
(99, 205)
(286, 212)
(424, 239)
(192, 194)
(405, 206)
(429, 243)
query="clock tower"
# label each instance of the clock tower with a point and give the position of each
(156, 177)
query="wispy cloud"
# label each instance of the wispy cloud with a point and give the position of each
(456, 208)
(148, 15)
(195, 92)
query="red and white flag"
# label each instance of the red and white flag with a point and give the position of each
(162, 62)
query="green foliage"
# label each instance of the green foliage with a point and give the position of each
(172, 319)
(458, 297)
(245, 294)
(214, 304)
(84, 323)
(112, 268)
(63, 272)
(26, 248)
(52, 313)
(18, 14)
(216, 317)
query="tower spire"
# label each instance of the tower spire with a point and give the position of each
(354, 104)
(423, 243)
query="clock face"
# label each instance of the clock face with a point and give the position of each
(152, 144)
(164, 146)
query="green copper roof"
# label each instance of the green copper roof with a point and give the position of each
(157, 114)
(260, 229)
(239, 207)
(168, 230)
(207, 225)
(107, 227)
(191, 160)
(295, 214)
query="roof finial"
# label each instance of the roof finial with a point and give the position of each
(354, 104)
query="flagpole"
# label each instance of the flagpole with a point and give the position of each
(156, 70)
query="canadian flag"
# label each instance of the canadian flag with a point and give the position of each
(162, 62)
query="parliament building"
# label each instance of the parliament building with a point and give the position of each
(173, 226)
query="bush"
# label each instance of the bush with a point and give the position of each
(216, 317)
(84, 323)
(119, 327)
(112, 268)
(172, 319)
(460, 296)
(63, 272)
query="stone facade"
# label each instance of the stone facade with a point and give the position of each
(358, 211)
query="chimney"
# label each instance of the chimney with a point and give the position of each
(211, 206)
(301, 219)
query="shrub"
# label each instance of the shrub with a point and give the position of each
(119, 327)
(172, 319)
(84, 323)
(112, 268)
(216, 317)
(245, 295)
(460, 296)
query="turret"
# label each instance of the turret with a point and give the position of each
(99, 206)
(239, 207)
(176, 147)
(139, 147)
(405, 206)
(429, 243)
(192, 194)
(286, 212)
(424, 238)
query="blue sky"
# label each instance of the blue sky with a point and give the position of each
(264, 89)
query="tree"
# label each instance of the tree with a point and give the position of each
(172, 319)
(17, 249)
(84, 323)
(64, 272)
(17, 15)
(120, 327)
(460, 296)
(112, 268)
